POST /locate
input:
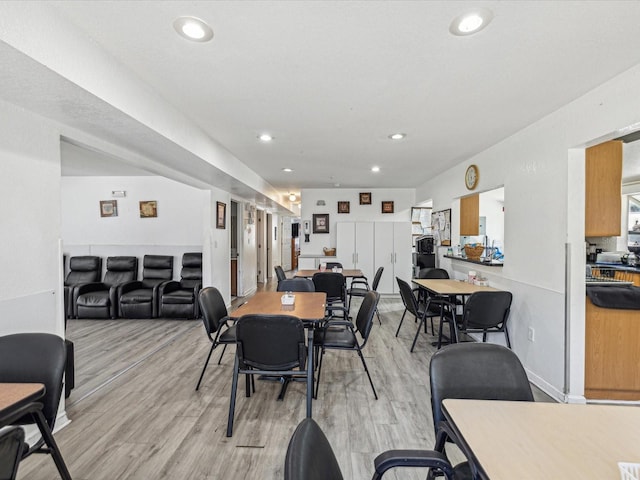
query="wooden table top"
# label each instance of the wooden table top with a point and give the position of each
(451, 287)
(307, 306)
(534, 440)
(14, 394)
(345, 271)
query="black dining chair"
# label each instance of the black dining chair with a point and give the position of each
(486, 312)
(422, 294)
(272, 345)
(341, 335)
(36, 358)
(480, 371)
(296, 285)
(280, 275)
(310, 457)
(216, 323)
(11, 447)
(334, 285)
(360, 286)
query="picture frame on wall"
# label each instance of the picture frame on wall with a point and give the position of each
(148, 208)
(387, 207)
(343, 207)
(320, 223)
(365, 198)
(221, 215)
(108, 208)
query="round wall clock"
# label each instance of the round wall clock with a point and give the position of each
(471, 177)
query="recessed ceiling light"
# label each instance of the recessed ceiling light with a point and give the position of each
(265, 137)
(397, 136)
(375, 169)
(288, 170)
(471, 22)
(193, 29)
(292, 197)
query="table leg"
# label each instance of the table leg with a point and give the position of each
(310, 371)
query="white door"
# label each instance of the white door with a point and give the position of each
(364, 249)
(402, 252)
(345, 244)
(383, 255)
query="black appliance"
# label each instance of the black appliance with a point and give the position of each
(425, 244)
(424, 260)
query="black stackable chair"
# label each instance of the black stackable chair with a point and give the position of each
(83, 269)
(296, 285)
(11, 448)
(180, 299)
(100, 299)
(486, 312)
(216, 323)
(272, 345)
(280, 275)
(140, 299)
(310, 457)
(334, 285)
(419, 310)
(36, 358)
(480, 371)
(436, 301)
(360, 286)
(341, 335)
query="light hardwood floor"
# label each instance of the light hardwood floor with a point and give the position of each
(149, 422)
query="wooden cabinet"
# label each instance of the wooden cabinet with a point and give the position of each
(393, 252)
(470, 215)
(354, 246)
(603, 184)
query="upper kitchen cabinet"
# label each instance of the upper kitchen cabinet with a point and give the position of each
(603, 184)
(470, 215)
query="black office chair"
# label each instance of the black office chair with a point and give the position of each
(486, 312)
(215, 318)
(272, 345)
(344, 337)
(36, 358)
(280, 275)
(480, 371)
(360, 286)
(419, 310)
(100, 299)
(334, 285)
(310, 457)
(296, 285)
(11, 447)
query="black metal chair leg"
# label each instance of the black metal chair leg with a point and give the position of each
(213, 345)
(378, 315)
(367, 372)
(506, 334)
(315, 395)
(415, 339)
(53, 446)
(401, 320)
(224, 348)
(232, 402)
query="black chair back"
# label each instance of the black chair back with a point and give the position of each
(331, 283)
(191, 273)
(296, 285)
(310, 456)
(213, 309)
(120, 270)
(481, 371)
(280, 275)
(364, 319)
(486, 310)
(408, 298)
(270, 342)
(11, 447)
(35, 358)
(433, 273)
(86, 269)
(156, 269)
(331, 265)
(376, 278)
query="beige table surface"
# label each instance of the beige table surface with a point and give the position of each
(12, 394)
(536, 440)
(451, 287)
(345, 271)
(307, 306)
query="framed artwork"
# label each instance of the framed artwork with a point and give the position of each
(221, 215)
(365, 198)
(148, 209)
(343, 207)
(108, 208)
(387, 207)
(320, 223)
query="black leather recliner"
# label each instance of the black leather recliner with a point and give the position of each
(180, 299)
(100, 299)
(140, 299)
(85, 269)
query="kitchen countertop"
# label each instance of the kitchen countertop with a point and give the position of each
(616, 266)
(492, 263)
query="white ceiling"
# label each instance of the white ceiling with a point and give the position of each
(332, 79)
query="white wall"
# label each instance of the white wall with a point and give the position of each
(540, 192)
(30, 255)
(403, 198)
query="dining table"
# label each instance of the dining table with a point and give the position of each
(534, 440)
(309, 307)
(447, 287)
(347, 272)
